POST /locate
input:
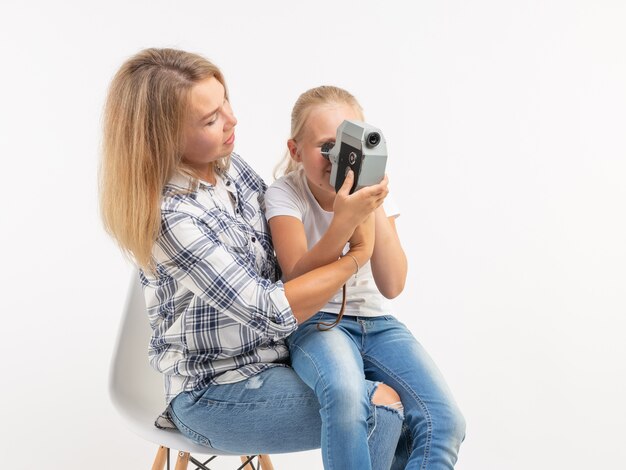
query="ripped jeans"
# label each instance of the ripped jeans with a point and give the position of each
(275, 412)
(337, 365)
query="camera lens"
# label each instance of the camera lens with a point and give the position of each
(326, 148)
(373, 139)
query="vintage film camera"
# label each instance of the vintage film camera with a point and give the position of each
(362, 148)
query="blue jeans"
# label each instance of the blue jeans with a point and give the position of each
(274, 412)
(336, 365)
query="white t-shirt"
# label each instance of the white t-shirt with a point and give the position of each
(290, 195)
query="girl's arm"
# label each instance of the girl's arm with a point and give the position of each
(389, 265)
(290, 243)
(290, 240)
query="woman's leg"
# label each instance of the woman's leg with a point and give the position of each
(391, 354)
(271, 412)
(329, 362)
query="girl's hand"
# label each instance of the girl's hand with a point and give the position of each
(353, 209)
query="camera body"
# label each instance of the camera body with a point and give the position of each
(360, 147)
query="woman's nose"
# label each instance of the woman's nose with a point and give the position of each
(231, 120)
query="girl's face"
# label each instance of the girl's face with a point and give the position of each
(209, 130)
(320, 127)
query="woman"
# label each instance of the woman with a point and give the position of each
(190, 213)
(305, 215)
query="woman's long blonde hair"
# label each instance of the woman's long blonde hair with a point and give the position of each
(324, 95)
(144, 118)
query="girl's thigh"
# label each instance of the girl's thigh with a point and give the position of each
(327, 359)
(393, 356)
(271, 412)
(434, 421)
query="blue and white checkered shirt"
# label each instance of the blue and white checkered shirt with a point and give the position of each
(218, 313)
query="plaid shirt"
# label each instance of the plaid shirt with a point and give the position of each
(217, 311)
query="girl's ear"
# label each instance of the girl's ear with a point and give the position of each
(293, 150)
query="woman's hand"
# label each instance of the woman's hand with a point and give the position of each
(353, 209)
(362, 240)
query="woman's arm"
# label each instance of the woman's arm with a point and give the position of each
(201, 262)
(311, 291)
(389, 264)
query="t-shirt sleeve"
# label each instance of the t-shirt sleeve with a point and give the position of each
(391, 207)
(281, 198)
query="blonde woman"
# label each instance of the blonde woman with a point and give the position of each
(306, 218)
(190, 213)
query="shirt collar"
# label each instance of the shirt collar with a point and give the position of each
(181, 181)
(185, 182)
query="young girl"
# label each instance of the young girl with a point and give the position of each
(189, 212)
(306, 220)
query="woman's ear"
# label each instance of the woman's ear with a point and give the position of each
(293, 150)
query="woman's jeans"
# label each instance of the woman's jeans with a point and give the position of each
(336, 363)
(275, 412)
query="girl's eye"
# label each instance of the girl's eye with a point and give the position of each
(210, 123)
(325, 147)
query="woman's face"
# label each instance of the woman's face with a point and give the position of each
(209, 130)
(320, 127)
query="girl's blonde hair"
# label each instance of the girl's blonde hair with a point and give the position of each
(144, 118)
(320, 96)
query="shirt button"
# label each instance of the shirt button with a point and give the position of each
(227, 183)
(253, 240)
(237, 211)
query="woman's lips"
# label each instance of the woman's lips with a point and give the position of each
(230, 140)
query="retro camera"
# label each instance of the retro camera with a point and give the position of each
(360, 147)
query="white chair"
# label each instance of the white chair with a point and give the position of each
(136, 391)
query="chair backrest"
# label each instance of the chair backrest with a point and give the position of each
(136, 389)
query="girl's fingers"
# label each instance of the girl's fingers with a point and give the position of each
(347, 184)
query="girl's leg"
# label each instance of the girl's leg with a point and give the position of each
(383, 445)
(329, 362)
(391, 354)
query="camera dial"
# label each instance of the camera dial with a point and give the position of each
(372, 139)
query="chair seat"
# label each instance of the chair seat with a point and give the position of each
(141, 422)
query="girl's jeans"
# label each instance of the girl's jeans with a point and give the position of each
(336, 364)
(275, 412)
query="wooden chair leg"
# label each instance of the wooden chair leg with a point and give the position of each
(265, 463)
(243, 459)
(160, 459)
(182, 461)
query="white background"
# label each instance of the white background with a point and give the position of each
(505, 124)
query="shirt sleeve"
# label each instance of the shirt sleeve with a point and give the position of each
(281, 199)
(391, 207)
(222, 276)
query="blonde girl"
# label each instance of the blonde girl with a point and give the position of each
(308, 225)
